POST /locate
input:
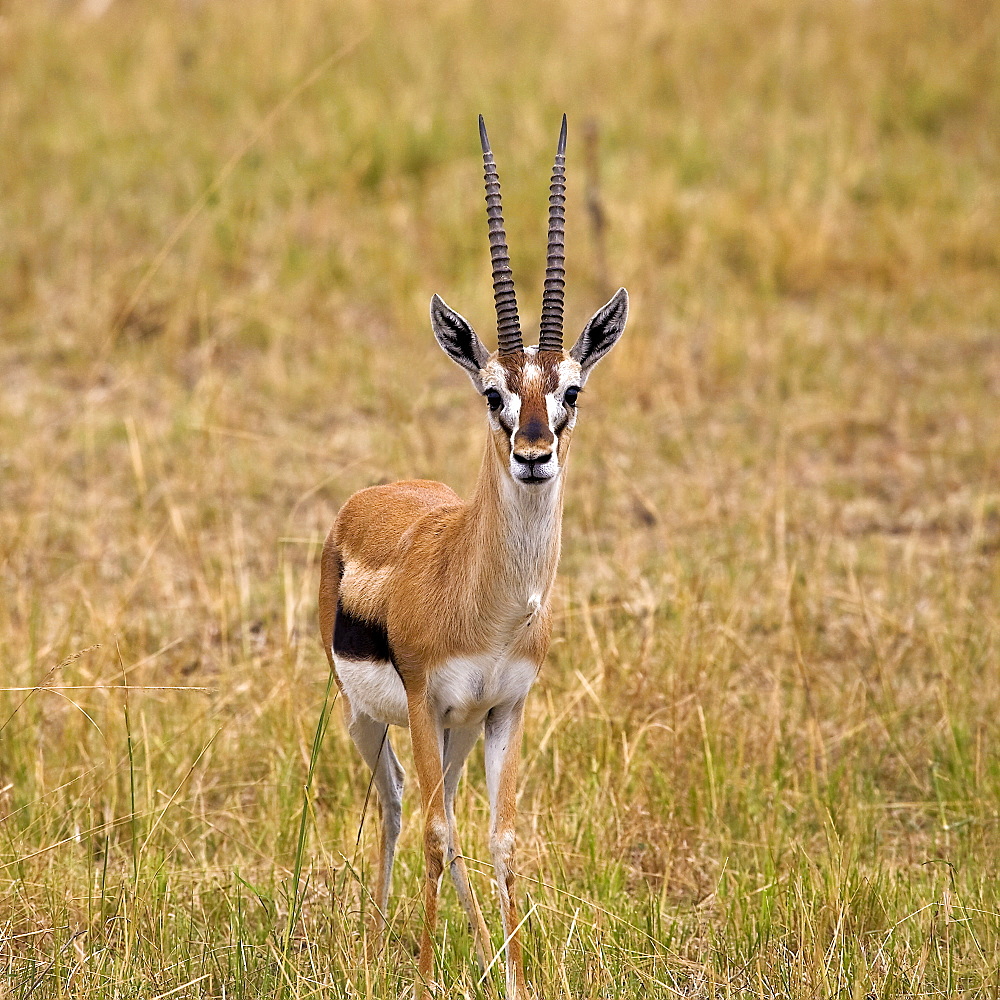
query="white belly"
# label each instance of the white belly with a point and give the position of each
(373, 687)
(462, 690)
(465, 688)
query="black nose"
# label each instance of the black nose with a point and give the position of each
(537, 460)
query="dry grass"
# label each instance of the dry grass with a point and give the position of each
(762, 757)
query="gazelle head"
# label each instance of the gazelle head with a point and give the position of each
(530, 393)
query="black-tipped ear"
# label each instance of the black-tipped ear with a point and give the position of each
(457, 338)
(602, 332)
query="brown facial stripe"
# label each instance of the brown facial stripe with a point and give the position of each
(513, 368)
(547, 361)
(535, 428)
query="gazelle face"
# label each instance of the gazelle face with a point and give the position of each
(531, 392)
(531, 406)
(531, 395)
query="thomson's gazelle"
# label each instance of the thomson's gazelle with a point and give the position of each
(434, 611)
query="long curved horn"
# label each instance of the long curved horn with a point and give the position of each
(508, 324)
(551, 328)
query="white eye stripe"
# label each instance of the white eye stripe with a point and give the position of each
(513, 409)
(554, 409)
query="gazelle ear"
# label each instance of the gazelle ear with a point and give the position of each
(602, 332)
(458, 340)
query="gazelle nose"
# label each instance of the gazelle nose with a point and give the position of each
(535, 460)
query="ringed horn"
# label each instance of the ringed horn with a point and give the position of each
(551, 327)
(508, 324)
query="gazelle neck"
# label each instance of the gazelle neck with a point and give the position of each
(517, 532)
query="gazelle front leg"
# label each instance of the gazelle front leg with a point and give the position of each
(427, 735)
(503, 753)
(457, 744)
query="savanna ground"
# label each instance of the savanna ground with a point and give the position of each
(762, 757)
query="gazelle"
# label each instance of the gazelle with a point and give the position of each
(434, 611)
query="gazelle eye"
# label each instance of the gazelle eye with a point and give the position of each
(571, 393)
(494, 399)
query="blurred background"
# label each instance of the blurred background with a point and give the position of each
(761, 759)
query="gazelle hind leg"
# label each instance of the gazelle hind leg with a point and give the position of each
(457, 745)
(503, 752)
(372, 740)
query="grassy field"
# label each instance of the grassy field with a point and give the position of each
(762, 759)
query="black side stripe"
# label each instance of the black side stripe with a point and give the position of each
(356, 639)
